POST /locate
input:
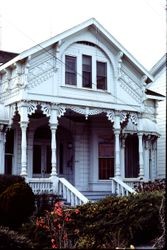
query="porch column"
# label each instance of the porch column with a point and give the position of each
(22, 108)
(123, 155)
(117, 153)
(23, 126)
(141, 162)
(53, 149)
(2, 149)
(154, 170)
(53, 126)
(146, 158)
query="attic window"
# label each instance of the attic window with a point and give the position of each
(86, 71)
(101, 75)
(70, 67)
(87, 43)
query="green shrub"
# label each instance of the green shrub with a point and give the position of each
(16, 204)
(10, 239)
(118, 221)
(151, 186)
(7, 180)
(45, 202)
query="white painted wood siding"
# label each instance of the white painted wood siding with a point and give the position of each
(160, 86)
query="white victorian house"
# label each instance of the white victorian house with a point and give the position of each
(159, 85)
(76, 115)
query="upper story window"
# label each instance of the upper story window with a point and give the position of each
(70, 70)
(86, 71)
(101, 75)
(88, 67)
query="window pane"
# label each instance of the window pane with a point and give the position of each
(70, 70)
(48, 160)
(37, 159)
(101, 75)
(131, 157)
(87, 71)
(106, 161)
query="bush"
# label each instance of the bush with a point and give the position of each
(118, 221)
(12, 240)
(45, 202)
(7, 180)
(16, 204)
(151, 186)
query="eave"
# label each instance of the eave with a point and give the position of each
(91, 22)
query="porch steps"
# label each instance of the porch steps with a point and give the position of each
(96, 195)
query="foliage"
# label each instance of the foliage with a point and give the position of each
(16, 204)
(45, 202)
(12, 240)
(114, 222)
(118, 221)
(151, 186)
(7, 180)
(159, 242)
(55, 223)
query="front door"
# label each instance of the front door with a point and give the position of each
(41, 160)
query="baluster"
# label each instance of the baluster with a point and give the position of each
(68, 194)
(122, 191)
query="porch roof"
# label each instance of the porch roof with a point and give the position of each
(4, 116)
(149, 126)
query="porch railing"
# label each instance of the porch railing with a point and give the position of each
(40, 185)
(59, 186)
(70, 193)
(120, 188)
(132, 182)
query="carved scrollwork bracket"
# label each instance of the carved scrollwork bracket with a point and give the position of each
(86, 111)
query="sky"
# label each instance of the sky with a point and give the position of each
(139, 25)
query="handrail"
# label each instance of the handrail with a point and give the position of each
(120, 188)
(70, 193)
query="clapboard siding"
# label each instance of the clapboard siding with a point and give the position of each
(159, 85)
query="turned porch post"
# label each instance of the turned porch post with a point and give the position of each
(141, 162)
(23, 124)
(53, 127)
(117, 145)
(2, 148)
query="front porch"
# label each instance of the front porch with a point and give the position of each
(71, 149)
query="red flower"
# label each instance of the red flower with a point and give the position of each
(77, 211)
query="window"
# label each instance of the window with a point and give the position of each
(70, 70)
(131, 157)
(106, 160)
(86, 71)
(101, 74)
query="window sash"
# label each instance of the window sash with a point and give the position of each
(70, 70)
(87, 71)
(101, 75)
(106, 160)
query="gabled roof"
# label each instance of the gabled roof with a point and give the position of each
(90, 22)
(159, 66)
(6, 56)
(154, 95)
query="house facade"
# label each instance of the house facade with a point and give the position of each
(159, 85)
(75, 110)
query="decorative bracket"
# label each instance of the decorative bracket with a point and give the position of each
(86, 111)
